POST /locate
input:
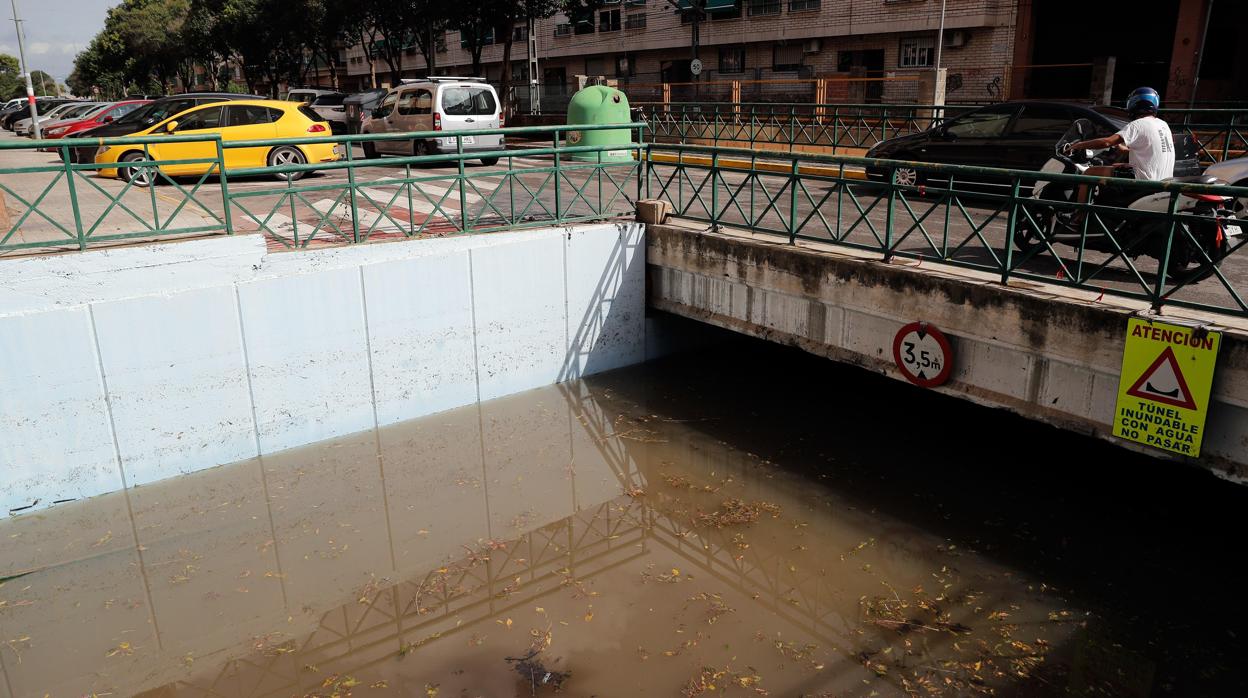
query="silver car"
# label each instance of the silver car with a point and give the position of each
(25, 127)
(1235, 172)
(444, 104)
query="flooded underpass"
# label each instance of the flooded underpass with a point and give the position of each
(745, 520)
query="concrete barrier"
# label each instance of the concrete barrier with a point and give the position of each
(126, 366)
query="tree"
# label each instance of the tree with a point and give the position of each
(45, 85)
(516, 12)
(429, 31)
(11, 82)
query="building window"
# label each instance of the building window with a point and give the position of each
(764, 7)
(787, 58)
(637, 20)
(803, 5)
(564, 29)
(609, 21)
(626, 65)
(917, 52)
(732, 60)
(520, 33)
(635, 3)
(439, 43)
(595, 66)
(519, 72)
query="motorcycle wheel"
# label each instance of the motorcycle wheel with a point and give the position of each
(1028, 237)
(1215, 246)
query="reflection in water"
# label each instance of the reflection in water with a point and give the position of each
(596, 537)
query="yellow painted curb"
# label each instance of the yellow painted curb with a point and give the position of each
(744, 164)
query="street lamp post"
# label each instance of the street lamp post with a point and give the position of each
(30, 87)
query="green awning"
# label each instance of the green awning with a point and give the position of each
(711, 5)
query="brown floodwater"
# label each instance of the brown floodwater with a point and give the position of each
(744, 521)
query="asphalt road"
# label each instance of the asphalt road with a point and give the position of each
(317, 210)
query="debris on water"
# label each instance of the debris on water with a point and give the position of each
(533, 671)
(719, 680)
(736, 512)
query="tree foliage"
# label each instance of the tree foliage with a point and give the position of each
(146, 44)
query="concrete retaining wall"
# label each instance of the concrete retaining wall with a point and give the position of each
(127, 366)
(1049, 358)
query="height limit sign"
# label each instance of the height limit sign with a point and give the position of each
(1163, 392)
(922, 354)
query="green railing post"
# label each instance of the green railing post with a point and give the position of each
(73, 198)
(888, 215)
(556, 176)
(1011, 223)
(1163, 265)
(351, 190)
(225, 188)
(715, 188)
(794, 175)
(463, 195)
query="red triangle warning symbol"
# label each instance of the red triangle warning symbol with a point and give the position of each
(1163, 382)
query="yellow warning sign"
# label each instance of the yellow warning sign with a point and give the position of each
(1163, 392)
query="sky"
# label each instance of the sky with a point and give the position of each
(56, 30)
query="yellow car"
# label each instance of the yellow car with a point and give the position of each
(241, 120)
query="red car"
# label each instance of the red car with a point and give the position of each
(105, 116)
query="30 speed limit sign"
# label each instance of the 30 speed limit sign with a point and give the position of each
(923, 354)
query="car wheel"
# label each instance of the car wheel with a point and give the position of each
(287, 155)
(370, 150)
(489, 162)
(908, 177)
(420, 148)
(138, 176)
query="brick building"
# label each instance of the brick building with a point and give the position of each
(862, 50)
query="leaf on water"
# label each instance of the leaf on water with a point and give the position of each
(589, 615)
(379, 684)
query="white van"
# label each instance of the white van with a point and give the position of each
(436, 104)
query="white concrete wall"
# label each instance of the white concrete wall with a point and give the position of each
(127, 366)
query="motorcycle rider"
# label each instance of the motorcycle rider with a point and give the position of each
(1146, 139)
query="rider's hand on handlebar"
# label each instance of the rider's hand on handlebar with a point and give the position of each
(1068, 149)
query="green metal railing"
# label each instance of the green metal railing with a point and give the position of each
(63, 204)
(851, 129)
(401, 196)
(834, 128)
(975, 217)
(66, 205)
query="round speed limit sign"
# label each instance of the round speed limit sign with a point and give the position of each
(923, 354)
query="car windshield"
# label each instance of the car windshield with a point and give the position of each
(334, 100)
(468, 101)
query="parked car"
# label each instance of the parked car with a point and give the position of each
(108, 114)
(330, 108)
(26, 126)
(44, 104)
(1235, 172)
(358, 106)
(148, 115)
(436, 104)
(1015, 135)
(70, 116)
(307, 94)
(253, 119)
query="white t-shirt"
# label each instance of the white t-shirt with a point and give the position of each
(1152, 148)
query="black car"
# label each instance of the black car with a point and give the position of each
(44, 104)
(1017, 135)
(359, 104)
(148, 115)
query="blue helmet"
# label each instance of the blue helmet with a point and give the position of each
(1144, 100)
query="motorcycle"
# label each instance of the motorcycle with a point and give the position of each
(1136, 235)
